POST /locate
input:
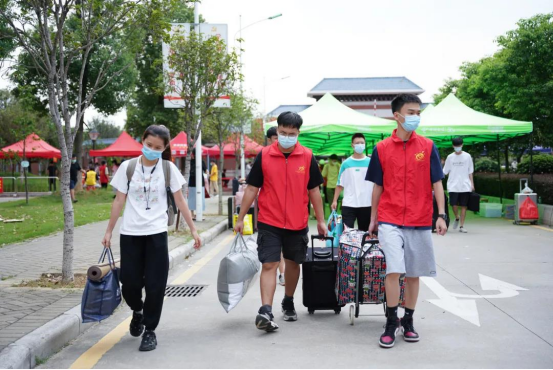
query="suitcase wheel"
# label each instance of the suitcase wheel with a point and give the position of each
(351, 314)
(311, 312)
(337, 310)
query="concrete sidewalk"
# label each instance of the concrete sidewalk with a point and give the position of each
(22, 310)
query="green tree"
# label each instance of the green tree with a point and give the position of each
(203, 69)
(41, 30)
(145, 106)
(105, 128)
(221, 126)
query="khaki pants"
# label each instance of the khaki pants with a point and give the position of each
(214, 187)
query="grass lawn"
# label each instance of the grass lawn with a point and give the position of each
(44, 215)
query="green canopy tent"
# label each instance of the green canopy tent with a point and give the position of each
(451, 118)
(328, 125)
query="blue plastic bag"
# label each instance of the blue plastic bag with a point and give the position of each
(101, 298)
(335, 229)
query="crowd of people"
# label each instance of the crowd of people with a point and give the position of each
(389, 193)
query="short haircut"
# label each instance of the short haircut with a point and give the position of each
(91, 168)
(333, 156)
(290, 119)
(272, 131)
(402, 99)
(103, 162)
(457, 141)
(358, 135)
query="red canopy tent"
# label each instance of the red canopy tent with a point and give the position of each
(124, 146)
(35, 147)
(251, 148)
(179, 145)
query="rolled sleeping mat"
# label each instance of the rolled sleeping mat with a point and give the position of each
(97, 272)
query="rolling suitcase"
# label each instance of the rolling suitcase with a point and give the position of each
(319, 278)
(435, 213)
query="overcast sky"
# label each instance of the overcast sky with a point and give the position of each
(425, 41)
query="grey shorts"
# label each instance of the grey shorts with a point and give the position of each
(407, 251)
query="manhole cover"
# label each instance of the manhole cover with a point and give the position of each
(184, 291)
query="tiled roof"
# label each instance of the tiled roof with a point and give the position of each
(284, 108)
(365, 85)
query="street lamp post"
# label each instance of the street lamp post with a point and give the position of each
(242, 154)
(93, 135)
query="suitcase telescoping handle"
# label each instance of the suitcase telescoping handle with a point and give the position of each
(321, 237)
(367, 239)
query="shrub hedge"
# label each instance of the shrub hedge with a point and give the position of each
(485, 164)
(488, 184)
(542, 163)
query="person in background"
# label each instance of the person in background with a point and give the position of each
(357, 191)
(74, 172)
(224, 175)
(213, 178)
(330, 173)
(272, 135)
(52, 172)
(459, 168)
(286, 174)
(90, 179)
(104, 173)
(248, 167)
(114, 167)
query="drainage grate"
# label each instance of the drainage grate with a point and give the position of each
(184, 291)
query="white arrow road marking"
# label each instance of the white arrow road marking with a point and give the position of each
(465, 309)
(487, 283)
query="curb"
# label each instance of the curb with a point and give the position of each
(54, 335)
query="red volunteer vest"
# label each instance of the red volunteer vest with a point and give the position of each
(407, 196)
(283, 197)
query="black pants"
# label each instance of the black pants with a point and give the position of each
(52, 183)
(362, 214)
(145, 264)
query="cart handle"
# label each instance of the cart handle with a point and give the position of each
(321, 237)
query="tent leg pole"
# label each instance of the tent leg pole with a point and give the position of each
(532, 159)
(499, 171)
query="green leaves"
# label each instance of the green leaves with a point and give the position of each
(517, 81)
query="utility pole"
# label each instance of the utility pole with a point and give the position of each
(242, 146)
(199, 172)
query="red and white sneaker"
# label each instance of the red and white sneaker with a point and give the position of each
(408, 330)
(388, 338)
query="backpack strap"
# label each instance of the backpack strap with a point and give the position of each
(130, 171)
(167, 173)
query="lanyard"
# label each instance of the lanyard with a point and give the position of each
(147, 194)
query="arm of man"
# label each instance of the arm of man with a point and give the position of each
(441, 226)
(472, 182)
(337, 192)
(377, 193)
(317, 201)
(249, 196)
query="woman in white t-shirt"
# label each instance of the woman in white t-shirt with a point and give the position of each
(143, 243)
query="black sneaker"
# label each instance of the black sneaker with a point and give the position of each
(265, 321)
(149, 341)
(137, 327)
(408, 330)
(388, 338)
(289, 310)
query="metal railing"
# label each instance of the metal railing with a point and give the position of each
(35, 184)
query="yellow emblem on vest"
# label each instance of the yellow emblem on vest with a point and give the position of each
(301, 169)
(419, 156)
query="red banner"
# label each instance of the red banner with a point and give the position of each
(1, 185)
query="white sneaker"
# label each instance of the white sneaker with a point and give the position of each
(463, 230)
(281, 280)
(455, 224)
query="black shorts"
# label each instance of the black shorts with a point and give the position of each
(105, 185)
(459, 199)
(270, 244)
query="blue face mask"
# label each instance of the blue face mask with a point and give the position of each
(411, 123)
(150, 154)
(359, 148)
(287, 142)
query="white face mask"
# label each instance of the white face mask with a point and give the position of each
(458, 149)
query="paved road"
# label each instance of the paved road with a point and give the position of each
(515, 331)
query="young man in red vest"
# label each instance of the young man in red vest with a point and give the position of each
(289, 177)
(104, 179)
(404, 169)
